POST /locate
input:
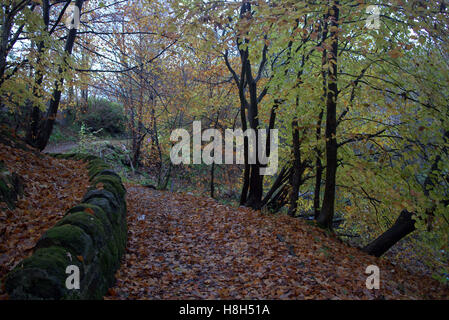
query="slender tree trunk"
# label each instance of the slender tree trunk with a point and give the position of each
(212, 169)
(327, 210)
(212, 186)
(8, 38)
(317, 190)
(318, 163)
(84, 100)
(281, 180)
(40, 140)
(253, 182)
(280, 199)
(295, 179)
(36, 114)
(256, 179)
(246, 170)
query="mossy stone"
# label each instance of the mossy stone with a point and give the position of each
(69, 236)
(106, 172)
(96, 163)
(89, 223)
(108, 264)
(113, 215)
(110, 183)
(96, 170)
(116, 243)
(85, 157)
(105, 194)
(11, 186)
(41, 276)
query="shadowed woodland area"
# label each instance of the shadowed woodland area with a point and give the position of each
(93, 92)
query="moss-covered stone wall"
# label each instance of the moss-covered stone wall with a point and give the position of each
(91, 236)
(11, 187)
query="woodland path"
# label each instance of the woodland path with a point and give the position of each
(185, 247)
(66, 147)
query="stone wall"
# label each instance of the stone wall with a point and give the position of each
(91, 236)
(11, 187)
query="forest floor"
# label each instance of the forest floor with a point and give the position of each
(182, 246)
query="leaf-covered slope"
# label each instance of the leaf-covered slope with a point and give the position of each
(186, 247)
(94, 232)
(51, 187)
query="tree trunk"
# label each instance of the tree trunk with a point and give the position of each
(327, 210)
(36, 114)
(40, 139)
(318, 162)
(403, 226)
(283, 177)
(253, 182)
(256, 179)
(317, 190)
(255, 188)
(295, 179)
(212, 186)
(84, 100)
(246, 170)
(279, 200)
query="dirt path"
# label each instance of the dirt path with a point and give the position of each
(66, 147)
(62, 147)
(186, 247)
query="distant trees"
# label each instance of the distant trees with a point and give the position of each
(344, 93)
(41, 125)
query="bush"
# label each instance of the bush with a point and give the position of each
(106, 115)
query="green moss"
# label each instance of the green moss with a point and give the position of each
(85, 157)
(89, 223)
(108, 263)
(96, 163)
(96, 170)
(41, 276)
(111, 183)
(3, 186)
(106, 172)
(97, 212)
(55, 155)
(83, 207)
(114, 200)
(116, 244)
(105, 241)
(65, 155)
(11, 187)
(51, 258)
(97, 284)
(70, 237)
(114, 219)
(113, 216)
